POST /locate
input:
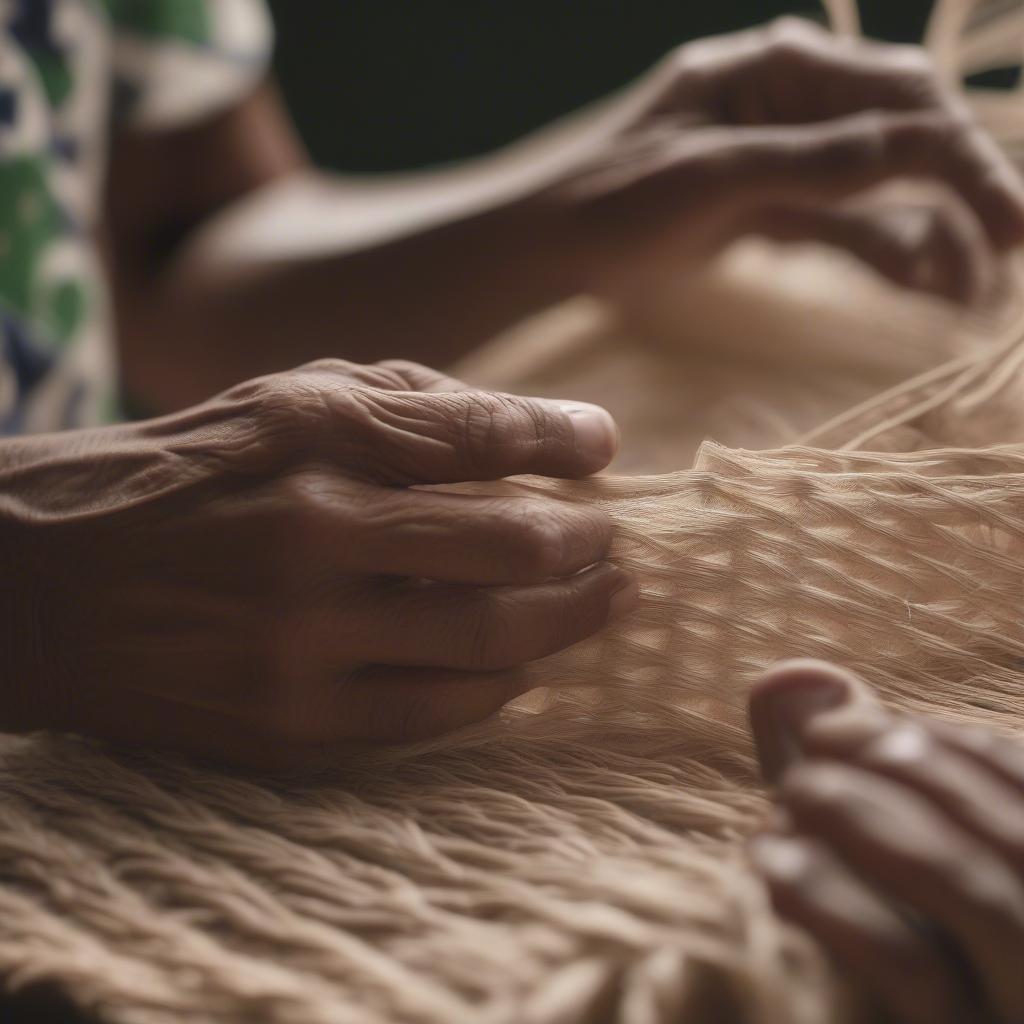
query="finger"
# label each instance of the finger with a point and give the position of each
(735, 173)
(410, 437)
(456, 538)
(823, 714)
(876, 947)
(793, 70)
(326, 411)
(914, 855)
(470, 628)
(940, 251)
(1003, 758)
(853, 153)
(909, 753)
(460, 538)
(951, 255)
(786, 697)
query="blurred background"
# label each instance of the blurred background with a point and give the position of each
(396, 85)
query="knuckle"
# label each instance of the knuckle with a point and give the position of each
(275, 419)
(284, 402)
(330, 365)
(388, 375)
(402, 372)
(792, 39)
(536, 539)
(914, 66)
(305, 497)
(903, 747)
(297, 400)
(814, 784)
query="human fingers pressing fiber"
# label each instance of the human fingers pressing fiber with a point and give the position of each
(916, 857)
(887, 817)
(422, 623)
(869, 938)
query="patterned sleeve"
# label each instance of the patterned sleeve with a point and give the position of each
(178, 61)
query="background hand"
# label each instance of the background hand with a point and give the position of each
(773, 132)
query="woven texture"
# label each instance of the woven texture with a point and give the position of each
(580, 859)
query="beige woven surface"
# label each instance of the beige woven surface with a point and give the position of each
(580, 859)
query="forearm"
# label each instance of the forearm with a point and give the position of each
(199, 327)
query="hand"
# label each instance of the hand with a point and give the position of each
(782, 131)
(900, 846)
(258, 578)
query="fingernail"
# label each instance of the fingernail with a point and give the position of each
(597, 436)
(624, 600)
(779, 858)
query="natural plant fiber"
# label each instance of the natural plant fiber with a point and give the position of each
(580, 858)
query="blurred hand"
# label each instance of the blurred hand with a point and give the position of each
(900, 846)
(782, 131)
(258, 578)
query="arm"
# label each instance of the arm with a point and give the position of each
(775, 131)
(185, 335)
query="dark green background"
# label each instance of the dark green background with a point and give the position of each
(380, 85)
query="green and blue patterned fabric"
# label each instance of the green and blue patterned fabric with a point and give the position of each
(71, 71)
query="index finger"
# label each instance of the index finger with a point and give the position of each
(793, 72)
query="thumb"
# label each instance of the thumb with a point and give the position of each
(787, 698)
(455, 436)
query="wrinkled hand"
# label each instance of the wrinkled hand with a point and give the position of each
(257, 578)
(900, 846)
(783, 131)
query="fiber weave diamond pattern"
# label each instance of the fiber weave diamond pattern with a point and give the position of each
(580, 858)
